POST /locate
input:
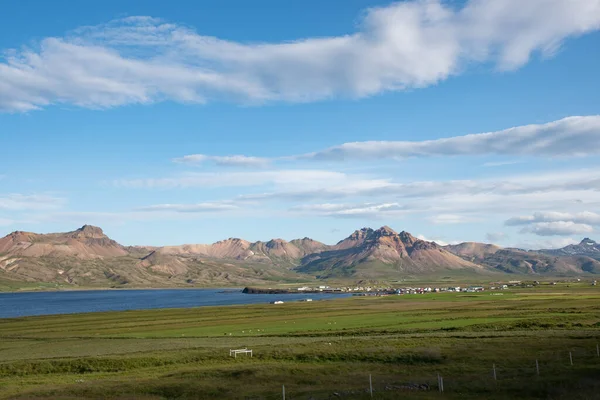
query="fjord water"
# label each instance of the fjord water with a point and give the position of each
(69, 302)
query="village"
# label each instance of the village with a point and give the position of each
(374, 290)
(383, 291)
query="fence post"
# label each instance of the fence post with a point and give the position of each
(494, 368)
(371, 385)
(283, 389)
(439, 384)
(442, 380)
(537, 367)
(571, 357)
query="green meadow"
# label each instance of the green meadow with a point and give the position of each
(317, 350)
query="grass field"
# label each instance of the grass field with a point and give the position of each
(319, 350)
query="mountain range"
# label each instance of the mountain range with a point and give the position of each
(87, 257)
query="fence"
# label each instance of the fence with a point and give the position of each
(554, 373)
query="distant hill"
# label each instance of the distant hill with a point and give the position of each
(517, 261)
(87, 257)
(275, 251)
(472, 251)
(85, 243)
(587, 247)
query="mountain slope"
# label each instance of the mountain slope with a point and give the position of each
(557, 262)
(533, 262)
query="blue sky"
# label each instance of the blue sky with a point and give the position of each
(187, 123)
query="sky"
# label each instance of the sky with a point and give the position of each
(191, 122)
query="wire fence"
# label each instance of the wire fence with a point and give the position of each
(562, 374)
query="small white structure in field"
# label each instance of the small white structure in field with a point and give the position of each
(235, 352)
(277, 302)
(307, 300)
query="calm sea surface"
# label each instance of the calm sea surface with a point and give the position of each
(43, 303)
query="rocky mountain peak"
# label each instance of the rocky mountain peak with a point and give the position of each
(275, 243)
(407, 238)
(89, 232)
(385, 231)
(588, 242)
(361, 234)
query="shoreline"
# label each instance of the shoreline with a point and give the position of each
(226, 297)
(106, 289)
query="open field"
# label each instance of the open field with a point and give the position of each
(319, 350)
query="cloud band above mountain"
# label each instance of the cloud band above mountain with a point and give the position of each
(568, 137)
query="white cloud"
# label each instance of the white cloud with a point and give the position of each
(501, 163)
(363, 210)
(440, 219)
(19, 202)
(410, 44)
(552, 223)
(190, 208)
(585, 217)
(227, 161)
(559, 228)
(572, 136)
(332, 193)
(564, 186)
(438, 241)
(308, 178)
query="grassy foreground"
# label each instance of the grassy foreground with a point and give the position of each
(319, 350)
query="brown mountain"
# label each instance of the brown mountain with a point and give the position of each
(87, 257)
(84, 243)
(369, 253)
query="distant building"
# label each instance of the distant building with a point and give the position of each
(277, 302)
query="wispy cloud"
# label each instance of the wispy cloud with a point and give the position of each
(501, 163)
(574, 136)
(309, 179)
(568, 137)
(586, 217)
(19, 202)
(410, 44)
(190, 208)
(363, 210)
(441, 242)
(553, 223)
(442, 219)
(332, 193)
(227, 161)
(559, 228)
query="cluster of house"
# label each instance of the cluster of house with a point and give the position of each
(372, 290)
